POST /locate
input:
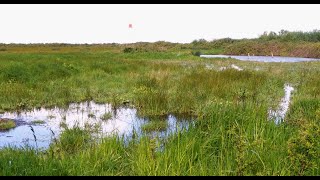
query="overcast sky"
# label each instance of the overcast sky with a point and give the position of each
(175, 23)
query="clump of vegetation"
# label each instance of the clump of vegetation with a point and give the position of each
(38, 122)
(6, 124)
(72, 141)
(128, 50)
(51, 116)
(91, 115)
(155, 125)
(196, 53)
(106, 116)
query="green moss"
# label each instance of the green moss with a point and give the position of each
(6, 124)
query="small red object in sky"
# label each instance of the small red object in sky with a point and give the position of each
(130, 25)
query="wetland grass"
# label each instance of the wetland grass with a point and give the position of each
(231, 136)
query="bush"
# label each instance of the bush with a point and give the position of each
(128, 50)
(196, 53)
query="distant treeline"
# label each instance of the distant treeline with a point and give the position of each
(283, 43)
(283, 35)
(287, 36)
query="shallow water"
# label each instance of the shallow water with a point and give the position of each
(279, 114)
(233, 66)
(123, 122)
(263, 58)
(236, 67)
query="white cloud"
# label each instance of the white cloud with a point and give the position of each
(176, 23)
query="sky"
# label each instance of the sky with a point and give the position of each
(109, 23)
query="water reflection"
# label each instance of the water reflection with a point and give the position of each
(124, 122)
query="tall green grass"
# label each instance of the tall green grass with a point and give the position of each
(231, 136)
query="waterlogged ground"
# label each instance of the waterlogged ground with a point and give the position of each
(38, 128)
(239, 105)
(124, 122)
